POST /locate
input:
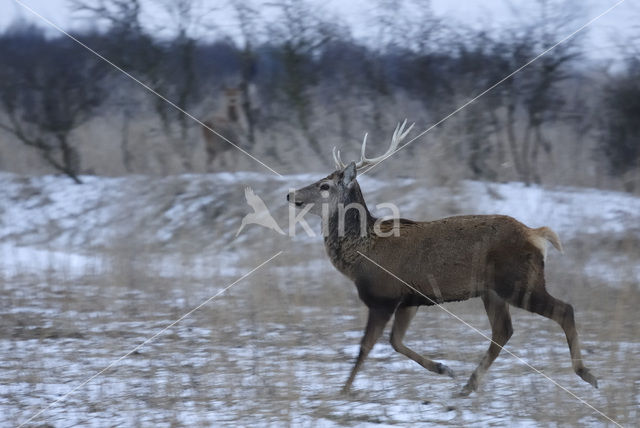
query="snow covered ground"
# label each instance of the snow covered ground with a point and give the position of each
(89, 272)
(49, 222)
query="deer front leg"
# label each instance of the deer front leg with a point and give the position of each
(403, 317)
(501, 330)
(378, 318)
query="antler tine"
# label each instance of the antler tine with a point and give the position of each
(363, 158)
(337, 159)
(405, 133)
(397, 131)
(399, 134)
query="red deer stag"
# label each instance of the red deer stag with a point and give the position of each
(493, 257)
(230, 122)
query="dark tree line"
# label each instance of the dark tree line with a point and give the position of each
(46, 91)
(303, 64)
(620, 125)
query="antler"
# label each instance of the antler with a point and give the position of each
(398, 135)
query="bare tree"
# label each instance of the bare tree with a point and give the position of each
(620, 124)
(178, 78)
(532, 99)
(619, 118)
(167, 67)
(247, 17)
(402, 39)
(127, 44)
(47, 89)
(299, 35)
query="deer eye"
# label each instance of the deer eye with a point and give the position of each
(324, 186)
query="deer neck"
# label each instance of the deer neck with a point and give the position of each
(343, 238)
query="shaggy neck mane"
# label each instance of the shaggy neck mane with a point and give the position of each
(343, 248)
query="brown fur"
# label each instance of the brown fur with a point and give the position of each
(493, 257)
(228, 123)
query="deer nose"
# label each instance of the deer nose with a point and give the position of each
(287, 196)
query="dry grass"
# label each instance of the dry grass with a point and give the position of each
(276, 348)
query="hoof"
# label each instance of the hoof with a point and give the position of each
(442, 369)
(586, 375)
(465, 391)
(346, 391)
(470, 387)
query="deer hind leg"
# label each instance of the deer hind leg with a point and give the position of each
(403, 317)
(211, 160)
(378, 318)
(541, 302)
(501, 330)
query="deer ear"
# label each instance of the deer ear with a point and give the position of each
(349, 174)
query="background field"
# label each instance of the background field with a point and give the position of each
(83, 284)
(119, 213)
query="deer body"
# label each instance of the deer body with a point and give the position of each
(435, 257)
(493, 257)
(230, 122)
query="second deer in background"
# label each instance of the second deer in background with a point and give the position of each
(230, 121)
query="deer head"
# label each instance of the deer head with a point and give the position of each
(340, 188)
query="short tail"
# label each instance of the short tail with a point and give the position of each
(550, 236)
